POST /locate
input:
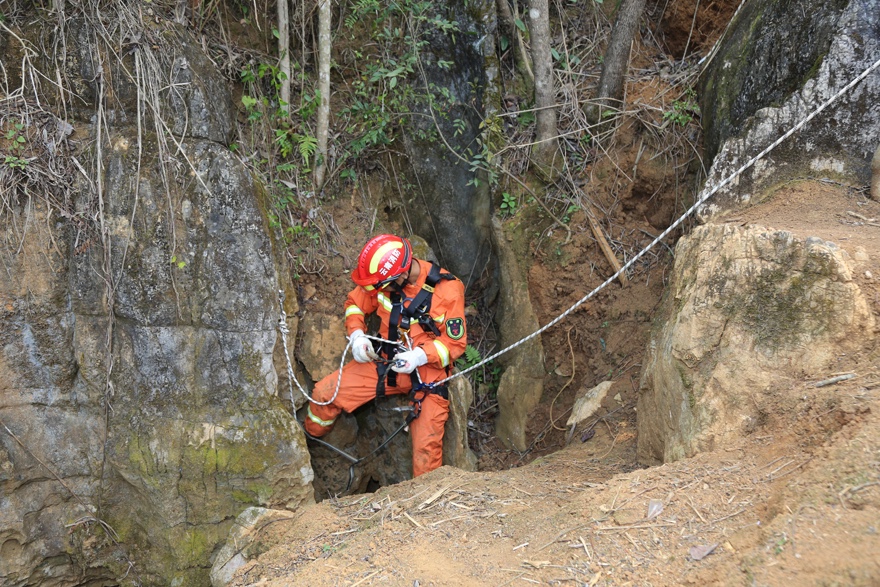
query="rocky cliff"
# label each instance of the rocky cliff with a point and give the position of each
(139, 401)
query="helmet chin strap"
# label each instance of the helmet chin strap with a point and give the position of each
(397, 287)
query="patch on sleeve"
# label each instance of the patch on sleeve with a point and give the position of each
(455, 328)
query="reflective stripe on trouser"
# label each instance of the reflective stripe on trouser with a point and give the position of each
(359, 386)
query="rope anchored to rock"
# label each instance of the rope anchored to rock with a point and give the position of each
(282, 326)
(702, 200)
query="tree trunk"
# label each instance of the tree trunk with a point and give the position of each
(520, 52)
(324, 42)
(609, 95)
(545, 153)
(284, 55)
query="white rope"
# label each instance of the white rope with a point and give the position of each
(282, 326)
(674, 225)
(291, 378)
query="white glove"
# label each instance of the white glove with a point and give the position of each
(361, 347)
(408, 361)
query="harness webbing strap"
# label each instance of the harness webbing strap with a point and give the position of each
(382, 372)
(420, 306)
(401, 318)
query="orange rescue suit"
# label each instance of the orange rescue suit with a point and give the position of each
(359, 380)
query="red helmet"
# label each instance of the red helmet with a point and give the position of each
(382, 260)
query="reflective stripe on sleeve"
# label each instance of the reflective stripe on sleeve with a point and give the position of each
(439, 319)
(319, 421)
(443, 352)
(386, 303)
(353, 310)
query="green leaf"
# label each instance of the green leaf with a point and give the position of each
(555, 54)
(520, 25)
(504, 43)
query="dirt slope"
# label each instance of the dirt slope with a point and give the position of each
(796, 503)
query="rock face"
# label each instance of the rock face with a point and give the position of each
(451, 211)
(778, 62)
(244, 542)
(522, 383)
(745, 309)
(139, 407)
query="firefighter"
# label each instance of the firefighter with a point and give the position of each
(418, 302)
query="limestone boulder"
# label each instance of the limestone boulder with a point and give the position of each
(777, 63)
(323, 342)
(746, 310)
(244, 542)
(456, 448)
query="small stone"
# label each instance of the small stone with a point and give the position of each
(869, 275)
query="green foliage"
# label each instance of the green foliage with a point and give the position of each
(14, 136)
(460, 126)
(564, 61)
(13, 161)
(348, 174)
(470, 358)
(509, 204)
(526, 118)
(779, 544)
(386, 67)
(16, 142)
(490, 142)
(489, 375)
(289, 141)
(684, 109)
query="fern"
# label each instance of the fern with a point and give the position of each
(358, 9)
(307, 146)
(470, 358)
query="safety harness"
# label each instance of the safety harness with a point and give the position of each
(401, 319)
